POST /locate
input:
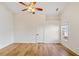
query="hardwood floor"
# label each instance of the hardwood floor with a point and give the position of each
(33, 49)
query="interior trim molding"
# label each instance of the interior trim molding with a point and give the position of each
(69, 50)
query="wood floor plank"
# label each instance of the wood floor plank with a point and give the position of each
(35, 49)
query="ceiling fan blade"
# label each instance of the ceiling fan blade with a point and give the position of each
(40, 9)
(24, 9)
(23, 3)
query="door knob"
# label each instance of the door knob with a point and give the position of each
(37, 34)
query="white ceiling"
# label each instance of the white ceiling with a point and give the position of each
(49, 7)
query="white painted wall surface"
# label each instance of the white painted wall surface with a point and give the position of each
(31, 28)
(6, 26)
(27, 26)
(70, 15)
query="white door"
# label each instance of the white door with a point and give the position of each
(40, 34)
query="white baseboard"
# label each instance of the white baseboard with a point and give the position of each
(6, 45)
(36, 42)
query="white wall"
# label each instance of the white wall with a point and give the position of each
(6, 26)
(70, 15)
(27, 26)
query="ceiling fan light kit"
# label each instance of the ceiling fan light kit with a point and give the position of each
(31, 7)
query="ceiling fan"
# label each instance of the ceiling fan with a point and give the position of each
(31, 7)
